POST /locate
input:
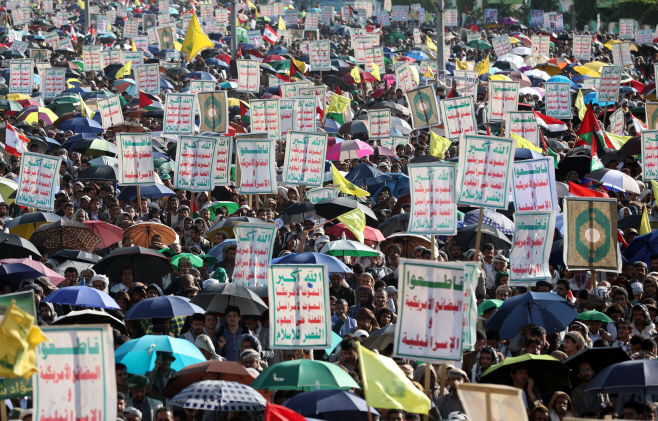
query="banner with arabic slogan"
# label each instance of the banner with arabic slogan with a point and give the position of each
(135, 159)
(264, 115)
(524, 124)
(304, 159)
(21, 76)
(558, 100)
(137, 57)
(147, 78)
(53, 82)
(540, 44)
(197, 86)
(213, 112)
(650, 155)
(379, 123)
(248, 75)
(195, 156)
(531, 247)
(38, 178)
(319, 55)
(582, 45)
(534, 185)
(92, 58)
(299, 306)
(471, 272)
(179, 114)
(458, 116)
(485, 173)
(502, 45)
(76, 366)
(466, 79)
(223, 153)
(317, 195)
(110, 109)
(404, 77)
(304, 114)
(257, 162)
(289, 90)
(255, 242)
(433, 205)
(610, 80)
(430, 318)
(617, 122)
(503, 98)
(392, 142)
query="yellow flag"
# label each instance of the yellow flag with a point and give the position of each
(85, 110)
(645, 227)
(338, 104)
(438, 145)
(134, 46)
(460, 65)
(375, 72)
(81, 4)
(617, 140)
(355, 74)
(580, 105)
(19, 337)
(430, 44)
(301, 66)
(195, 40)
(251, 5)
(282, 24)
(524, 143)
(346, 186)
(429, 73)
(654, 187)
(124, 71)
(415, 75)
(483, 66)
(386, 386)
(355, 221)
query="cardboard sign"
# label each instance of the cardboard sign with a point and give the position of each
(650, 155)
(254, 253)
(467, 82)
(617, 122)
(392, 142)
(197, 86)
(92, 57)
(257, 162)
(248, 75)
(147, 78)
(130, 27)
(21, 76)
(404, 77)
(304, 159)
(53, 82)
(534, 185)
(37, 182)
(503, 98)
(531, 247)
(195, 159)
(610, 80)
(304, 111)
(558, 100)
(312, 21)
(524, 124)
(135, 155)
(317, 195)
(110, 109)
(433, 205)
(320, 55)
(223, 153)
(502, 45)
(540, 45)
(265, 117)
(179, 114)
(137, 57)
(111, 57)
(51, 39)
(458, 116)
(379, 123)
(582, 45)
(626, 27)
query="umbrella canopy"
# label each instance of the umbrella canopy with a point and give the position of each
(547, 310)
(347, 248)
(298, 212)
(333, 208)
(370, 234)
(65, 234)
(79, 266)
(408, 242)
(396, 223)
(614, 180)
(304, 375)
(143, 232)
(75, 255)
(223, 370)
(154, 191)
(25, 225)
(230, 207)
(219, 395)
(14, 247)
(637, 376)
(311, 258)
(109, 234)
(195, 260)
(350, 149)
(15, 270)
(216, 297)
(227, 226)
(139, 355)
(162, 307)
(547, 372)
(90, 317)
(467, 237)
(490, 217)
(149, 266)
(597, 358)
(82, 296)
(332, 405)
(82, 125)
(365, 175)
(98, 173)
(595, 316)
(381, 338)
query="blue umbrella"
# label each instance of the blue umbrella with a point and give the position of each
(398, 185)
(560, 78)
(153, 191)
(218, 250)
(522, 153)
(332, 404)
(153, 48)
(80, 136)
(642, 248)
(164, 84)
(594, 98)
(333, 264)
(82, 125)
(82, 296)
(544, 309)
(277, 50)
(216, 62)
(638, 377)
(166, 306)
(131, 88)
(416, 55)
(331, 126)
(200, 76)
(76, 90)
(627, 90)
(139, 355)
(366, 175)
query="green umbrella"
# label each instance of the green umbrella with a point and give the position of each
(61, 107)
(9, 105)
(395, 36)
(231, 207)
(594, 316)
(209, 259)
(80, 64)
(488, 305)
(547, 372)
(263, 19)
(480, 43)
(348, 248)
(167, 252)
(164, 164)
(73, 99)
(193, 258)
(304, 375)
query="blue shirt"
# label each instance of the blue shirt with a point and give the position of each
(230, 350)
(342, 328)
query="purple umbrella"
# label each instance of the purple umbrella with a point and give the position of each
(508, 21)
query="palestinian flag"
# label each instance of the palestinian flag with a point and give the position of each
(149, 102)
(549, 123)
(590, 132)
(91, 33)
(294, 70)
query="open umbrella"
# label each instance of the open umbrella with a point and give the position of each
(222, 370)
(81, 296)
(369, 233)
(90, 317)
(547, 372)
(333, 208)
(162, 307)
(467, 237)
(303, 375)
(14, 247)
(597, 358)
(153, 191)
(138, 355)
(396, 223)
(381, 338)
(227, 226)
(219, 395)
(331, 405)
(490, 217)
(230, 207)
(15, 270)
(216, 297)
(143, 232)
(109, 234)
(98, 173)
(298, 212)
(25, 225)
(311, 258)
(365, 175)
(195, 260)
(347, 248)
(350, 149)
(65, 234)
(149, 266)
(614, 180)
(75, 255)
(638, 376)
(595, 316)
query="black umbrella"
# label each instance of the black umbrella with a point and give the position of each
(178, 72)
(353, 127)
(396, 223)
(505, 65)
(598, 359)
(638, 376)
(634, 221)
(77, 255)
(331, 79)
(14, 247)
(649, 48)
(333, 208)
(37, 218)
(90, 317)
(579, 164)
(633, 146)
(217, 296)
(424, 159)
(111, 71)
(466, 237)
(564, 36)
(149, 266)
(99, 172)
(298, 212)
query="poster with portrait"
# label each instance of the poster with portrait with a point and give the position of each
(490, 16)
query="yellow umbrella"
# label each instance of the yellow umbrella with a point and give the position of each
(235, 101)
(25, 225)
(143, 233)
(7, 187)
(33, 117)
(585, 71)
(551, 69)
(500, 77)
(16, 97)
(513, 40)
(594, 65)
(609, 43)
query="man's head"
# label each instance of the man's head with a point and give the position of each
(229, 254)
(249, 358)
(336, 279)
(561, 404)
(633, 410)
(519, 375)
(127, 276)
(164, 414)
(349, 350)
(132, 414)
(395, 415)
(455, 378)
(488, 251)
(533, 346)
(232, 314)
(71, 276)
(197, 322)
(341, 307)
(166, 358)
(563, 287)
(121, 375)
(640, 269)
(486, 358)
(543, 286)
(137, 386)
(639, 315)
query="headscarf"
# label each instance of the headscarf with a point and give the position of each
(52, 309)
(500, 275)
(187, 231)
(620, 215)
(205, 225)
(647, 318)
(419, 373)
(477, 372)
(254, 342)
(119, 220)
(134, 286)
(204, 342)
(370, 304)
(365, 313)
(570, 411)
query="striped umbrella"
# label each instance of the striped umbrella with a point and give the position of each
(17, 269)
(34, 114)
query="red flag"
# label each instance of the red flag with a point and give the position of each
(467, 10)
(243, 109)
(582, 191)
(275, 412)
(488, 130)
(543, 141)
(338, 91)
(195, 208)
(452, 92)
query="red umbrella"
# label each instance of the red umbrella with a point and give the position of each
(383, 151)
(365, 77)
(409, 59)
(474, 28)
(28, 102)
(108, 233)
(378, 93)
(372, 234)
(55, 277)
(273, 57)
(649, 89)
(224, 57)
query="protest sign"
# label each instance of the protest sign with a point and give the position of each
(286, 115)
(257, 162)
(650, 155)
(152, 35)
(558, 100)
(147, 78)
(467, 82)
(265, 117)
(221, 15)
(553, 21)
(21, 16)
(433, 205)
(590, 234)
(130, 26)
(53, 82)
(37, 182)
(319, 55)
(111, 15)
(110, 109)
(540, 44)
(255, 38)
(524, 124)
(469, 334)
(503, 98)
(312, 21)
(213, 112)
(388, 5)
(135, 159)
(534, 185)
(304, 110)
(248, 75)
(223, 153)
(484, 173)
(617, 121)
(19, 46)
(254, 253)
(450, 17)
(531, 247)
(149, 21)
(91, 55)
(304, 159)
(502, 45)
(290, 89)
(197, 86)
(493, 402)
(399, 13)
(404, 78)
(195, 163)
(651, 115)
(610, 79)
(318, 92)
(458, 116)
(21, 76)
(360, 43)
(267, 10)
(76, 366)
(291, 17)
(621, 54)
(317, 195)
(379, 123)
(626, 27)
(423, 106)
(374, 55)
(392, 142)
(51, 39)
(179, 114)
(299, 306)
(206, 12)
(643, 36)
(430, 319)
(111, 57)
(384, 18)
(165, 38)
(582, 45)
(103, 23)
(137, 57)
(40, 55)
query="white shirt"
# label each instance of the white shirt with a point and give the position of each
(491, 274)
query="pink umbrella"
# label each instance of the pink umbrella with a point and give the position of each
(55, 277)
(383, 151)
(350, 149)
(390, 79)
(108, 233)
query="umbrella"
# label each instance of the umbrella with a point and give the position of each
(227, 226)
(98, 173)
(149, 266)
(333, 208)
(298, 212)
(467, 237)
(369, 233)
(223, 370)
(200, 76)
(350, 149)
(75, 255)
(153, 191)
(90, 317)
(365, 175)
(304, 375)
(82, 125)
(638, 376)
(381, 338)
(230, 207)
(109, 234)
(596, 316)
(81, 296)
(14, 247)
(488, 305)
(195, 260)
(332, 405)
(547, 372)
(93, 147)
(138, 355)
(311, 258)
(615, 180)
(65, 234)
(597, 358)
(15, 270)
(492, 218)
(550, 311)
(79, 266)
(143, 232)
(347, 248)
(25, 225)
(216, 297)
(34, 114)
(407, 241)
(162, 307)
(396, 223)
(219, 395)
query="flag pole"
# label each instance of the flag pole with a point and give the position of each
(428, 376)
(363, 370)
(479, 232)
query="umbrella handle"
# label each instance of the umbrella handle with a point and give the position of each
(151, 349)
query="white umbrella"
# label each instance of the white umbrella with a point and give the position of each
(523, 51)
(538, 74)
(536, 58)
(512, 58)
(533, 92)
(347, 248)
(401, 126)
(613, 179)
(328, 176)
